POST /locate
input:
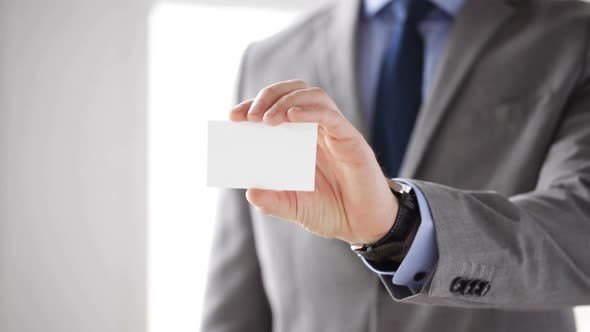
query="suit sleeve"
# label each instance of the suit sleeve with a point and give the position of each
(532, 249)
(235, 299)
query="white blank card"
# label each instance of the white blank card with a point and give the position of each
(255, 155)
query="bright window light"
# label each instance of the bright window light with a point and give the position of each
(194, 57)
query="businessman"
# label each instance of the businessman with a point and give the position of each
(452, 179)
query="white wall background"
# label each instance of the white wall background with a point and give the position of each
(72, 156)
(76, 102)
(184, 94)
(192, 74)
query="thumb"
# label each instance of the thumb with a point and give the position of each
(281, 204)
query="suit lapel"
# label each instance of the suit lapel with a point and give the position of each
(473, 28)
(337, 62)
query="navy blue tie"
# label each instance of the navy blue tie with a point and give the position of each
(399, 94)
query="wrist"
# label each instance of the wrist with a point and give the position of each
(396, 242)
(382, 219)
(386, 221)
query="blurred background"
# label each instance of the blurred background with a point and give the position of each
(105, 220)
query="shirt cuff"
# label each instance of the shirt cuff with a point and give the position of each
(423, 254)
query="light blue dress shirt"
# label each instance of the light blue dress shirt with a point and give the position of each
(376, 22)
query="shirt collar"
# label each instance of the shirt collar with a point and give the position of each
(451, 7)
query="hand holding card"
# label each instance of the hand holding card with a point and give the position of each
(352, 200)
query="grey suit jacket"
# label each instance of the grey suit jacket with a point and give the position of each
(501, 150)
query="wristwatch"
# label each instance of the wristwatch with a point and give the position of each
(393, 247)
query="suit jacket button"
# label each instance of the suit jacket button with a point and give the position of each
(478, 287)
(469, 289)
(458, 284)
(485, 288)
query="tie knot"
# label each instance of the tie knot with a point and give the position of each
(412, 11)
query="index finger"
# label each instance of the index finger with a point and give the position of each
(269, 95)
(240, 111)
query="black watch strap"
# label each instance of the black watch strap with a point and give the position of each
(396, 243)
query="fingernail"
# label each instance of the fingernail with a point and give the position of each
(271, 112)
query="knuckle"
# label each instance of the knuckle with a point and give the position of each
(317, 90)
(289, 99)
(299, 82)
(334, 117)
(268, 91)
(334, 113)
